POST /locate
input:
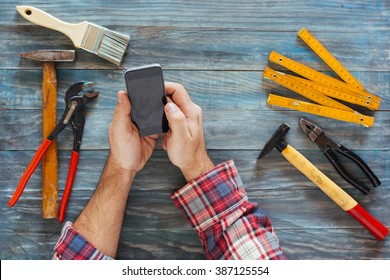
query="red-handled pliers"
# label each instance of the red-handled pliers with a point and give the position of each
(73, 114)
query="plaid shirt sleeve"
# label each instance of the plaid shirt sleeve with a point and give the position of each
(73, 246)
(228, 225)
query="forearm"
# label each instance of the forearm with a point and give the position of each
(101, 220)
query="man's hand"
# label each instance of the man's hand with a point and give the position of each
(184, 142)
(129, 151)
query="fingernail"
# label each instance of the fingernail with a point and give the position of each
(171, 108)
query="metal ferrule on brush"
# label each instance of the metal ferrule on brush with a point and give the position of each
(105, 43)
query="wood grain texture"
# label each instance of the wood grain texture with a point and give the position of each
(251, 170)
(218, 50)
(244, 90)
(152, 219)
(202, 49)
(224, 129)
(258, 177)
(49, 161)
(334, 15)
(331, 189)
(174, 245)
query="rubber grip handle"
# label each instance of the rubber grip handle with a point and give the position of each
(361, 163)
(344, 173)
(375, 227)
(68, 187)
(29, 171)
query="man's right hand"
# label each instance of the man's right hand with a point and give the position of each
(184, 142)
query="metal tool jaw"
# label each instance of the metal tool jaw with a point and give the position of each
(72, 114)
(317, 135)
(329, 147)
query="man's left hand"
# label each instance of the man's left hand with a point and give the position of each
(129, 150)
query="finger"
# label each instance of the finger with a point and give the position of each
(179, 96)
(177, 121)
(171, 87)
(123, 106)
(165, 142)
(153, 136)
(151, 140)
(121, 118)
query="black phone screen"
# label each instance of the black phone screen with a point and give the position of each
(145, 87)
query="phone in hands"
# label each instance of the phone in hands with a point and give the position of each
(146, 91)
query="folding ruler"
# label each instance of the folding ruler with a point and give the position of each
(321, 88)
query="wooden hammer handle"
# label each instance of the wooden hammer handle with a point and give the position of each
(337, 194)
(50, 163)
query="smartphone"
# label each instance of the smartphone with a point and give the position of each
(145, 87)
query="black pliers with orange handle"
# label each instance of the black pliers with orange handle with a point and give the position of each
(328, 147)
(73, 115)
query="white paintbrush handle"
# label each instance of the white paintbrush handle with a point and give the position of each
(74, 31)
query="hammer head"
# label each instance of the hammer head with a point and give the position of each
(50, 55)
(276, 141)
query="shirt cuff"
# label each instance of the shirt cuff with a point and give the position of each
(74, 246)
(212, 197)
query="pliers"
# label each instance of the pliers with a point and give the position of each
(328, 146)
(72, 115)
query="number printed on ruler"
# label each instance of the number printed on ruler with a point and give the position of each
(319, 110)
(328, 58)
(307, 92)
(329, 91)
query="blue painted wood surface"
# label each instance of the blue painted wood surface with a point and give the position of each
(218, 50)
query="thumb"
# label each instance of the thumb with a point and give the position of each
(177, 120)
(122, 108)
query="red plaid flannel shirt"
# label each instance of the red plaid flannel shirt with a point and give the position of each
(216, 205)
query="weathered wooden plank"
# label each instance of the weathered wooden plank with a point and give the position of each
(154, 244)
(298, 244)
(179, 241)
(174, 245)
(288, 197)
(308, 224)
(202, 49)
(258, 15)
(244, 90)
(152, 210)
(161, 175)
(327, 244)
(224, 129)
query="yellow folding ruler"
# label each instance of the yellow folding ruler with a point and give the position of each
(328, 58)
(289, 82)
(321, 88)
(322, 79)
(319, 110)
(329, 91)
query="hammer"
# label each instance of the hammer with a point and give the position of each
(49, 119)
(337, 194)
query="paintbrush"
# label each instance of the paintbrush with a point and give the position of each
(93, 38)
